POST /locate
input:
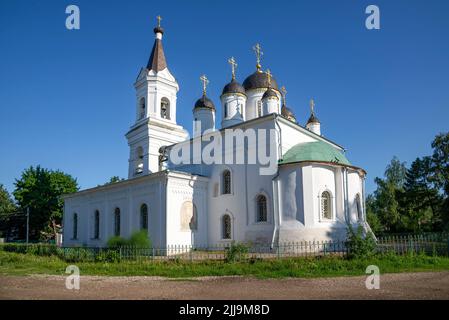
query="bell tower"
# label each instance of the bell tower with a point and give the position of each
(155, 125)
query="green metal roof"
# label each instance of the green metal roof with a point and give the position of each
(314, 151)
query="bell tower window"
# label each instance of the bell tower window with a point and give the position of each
(142, 108)
(165, 108)
(139, 160)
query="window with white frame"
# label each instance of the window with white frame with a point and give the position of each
(142, 108)
(326, 205)
(144, 217)
(226, 227)
(165, 108)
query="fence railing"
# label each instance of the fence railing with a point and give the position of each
(434, 244)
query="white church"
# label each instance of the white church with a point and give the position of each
(311, 192)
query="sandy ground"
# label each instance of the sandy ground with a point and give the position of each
(428, 285)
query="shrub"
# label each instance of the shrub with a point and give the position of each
(140, 239)
(236, 252)
(360, 245)
(116, 241)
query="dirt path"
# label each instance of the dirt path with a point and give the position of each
(429, 285)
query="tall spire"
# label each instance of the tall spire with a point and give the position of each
(157, 60)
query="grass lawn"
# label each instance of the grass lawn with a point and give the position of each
(26, 264)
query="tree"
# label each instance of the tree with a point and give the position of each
(420, 201)
(386, 205)
(7, 210)
(40, 190)
(440, 170)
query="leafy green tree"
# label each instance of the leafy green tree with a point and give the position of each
(371, 215)
(40, 190)
(420, 201)
(440, 170)
(386, 205)
(7, 210)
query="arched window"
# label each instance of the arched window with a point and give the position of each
(226, 110)
(142, 108)
(226, 227)
(226, 182)
(75, 226)
(144, 217)
(139, 163)
(259, 108)
(261, 208)
(326, 210)
(358, 203)
(165, 108)
(117, 222)
(97, 224)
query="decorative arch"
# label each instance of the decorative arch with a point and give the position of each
(144, 217)
(165, 108)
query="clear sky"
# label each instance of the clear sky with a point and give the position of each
(67, 96)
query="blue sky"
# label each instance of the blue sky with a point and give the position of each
(67, 97)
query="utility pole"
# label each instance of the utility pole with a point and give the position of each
(28, 222)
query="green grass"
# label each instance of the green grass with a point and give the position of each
(25, 264)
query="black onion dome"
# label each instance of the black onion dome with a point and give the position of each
(158, 30)
(259, 80)
(233, 87)
(204, 102)
(313, 119)
(269, 93)
(288, 113)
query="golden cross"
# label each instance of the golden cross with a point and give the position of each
(268, 72)
(258, 51)
(159, 18)
(234, 65)
(284, 93)
(312, 106)
(205, 82)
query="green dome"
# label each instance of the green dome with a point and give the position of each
(314, 151)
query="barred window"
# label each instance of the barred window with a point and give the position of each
(226, 182)
(117, 222)
(144, 217)
(261, 208)
(97, 224)
(359, 207)
(226, 227)
(75, 226)
(259, 108)
(326, 211)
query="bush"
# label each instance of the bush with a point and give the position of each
(360, 245)
(236, 252)
(116, 241)
(140, 239)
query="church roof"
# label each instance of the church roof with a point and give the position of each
(286, 112)
(259, 80)
(269, 93)
(204, 102)
(233, 87)
(314, 151)
(313, 119)
(157, 60)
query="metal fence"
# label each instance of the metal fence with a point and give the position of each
(432, 244)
